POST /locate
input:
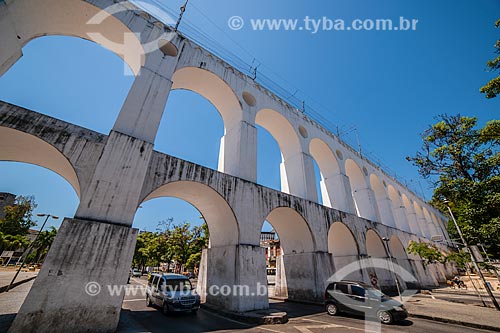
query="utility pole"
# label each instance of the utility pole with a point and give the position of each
(446, 202)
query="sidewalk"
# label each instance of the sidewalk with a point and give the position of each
(10, 303)
(6, 276)
(427, 307)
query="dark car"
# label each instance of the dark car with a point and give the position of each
(361, 299)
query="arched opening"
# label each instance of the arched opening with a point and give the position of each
(31, 167)
(268, 160)
(68, 18)
(383, 203)
(293, 264)
(213, 88)
(318, 182)
(70, 79)
(431, 228)
(422, 223)
(329, 169)
(380, 274)
(53, 193)
(190, 129)
(16, 146)
(291, 171)
(411, 215)
(361, 193)
(217, 213)
(218, 262)
(397, 248)
(344, 249)
(402, 265)
(398, 208)
(198, 132)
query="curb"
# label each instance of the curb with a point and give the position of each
(253, 317)
(18, 283)
(457, 322)
(286, 300)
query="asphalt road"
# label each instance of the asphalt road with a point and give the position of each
(136, 317)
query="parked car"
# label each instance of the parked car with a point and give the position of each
(172, 293)
(361, 299)
(136, 272)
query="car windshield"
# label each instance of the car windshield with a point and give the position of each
(178, 285)
(375, 293)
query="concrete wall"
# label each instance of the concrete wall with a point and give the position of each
(83, 252)
(241, 101)
(112, 174)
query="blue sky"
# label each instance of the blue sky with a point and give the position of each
(389, 85)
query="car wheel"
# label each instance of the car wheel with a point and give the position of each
(332, 309)
(385, 317)
(148, 302)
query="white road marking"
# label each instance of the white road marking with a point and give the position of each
(134, 300)
(337, 325)
(139, 281)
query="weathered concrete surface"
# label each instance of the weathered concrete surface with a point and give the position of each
(233, 207)
(305, 276)
(60, 300)
(233, 278)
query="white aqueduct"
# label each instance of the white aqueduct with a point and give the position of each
(113, 174)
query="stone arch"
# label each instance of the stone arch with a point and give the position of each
(214, 89)
(329, 169)
(294, 267)
(292, 172)
(411, 215)
(398, 208)
(397, 249)
(219, 216)
(361, 193)
(431, 228)
(282, 131)
(32, 19)
(375, 247)
(383, 202)
(293, 230)
(341, 241)
(422, 223)
(17, 146)
(344, 249)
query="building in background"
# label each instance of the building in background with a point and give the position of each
(6, 199)
(269, 240)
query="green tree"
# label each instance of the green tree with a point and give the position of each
(492, 88)
(43, 243)
(431, 254)
(13, 242)
(182, 243)
(18, 217)
(428, 252)
(185, 241)
(463, 162)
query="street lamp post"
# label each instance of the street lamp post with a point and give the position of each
(386, 241)
(30, 247)
(488, 290)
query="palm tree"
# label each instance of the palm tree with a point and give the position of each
(43, 243)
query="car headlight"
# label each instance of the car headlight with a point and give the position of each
(399, 308)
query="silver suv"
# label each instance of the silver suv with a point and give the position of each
(172, 293)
